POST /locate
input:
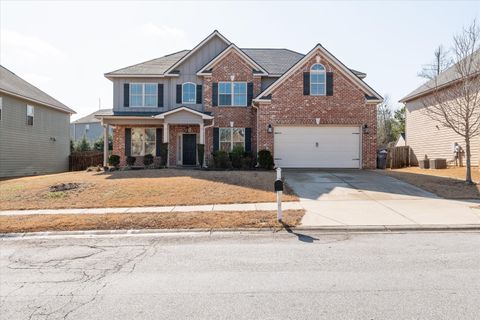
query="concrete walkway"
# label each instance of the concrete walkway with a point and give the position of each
(265, 206)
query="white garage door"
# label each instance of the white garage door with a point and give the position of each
(317, 147)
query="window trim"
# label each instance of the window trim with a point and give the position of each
(143, 95)
(233, 94)
(144, 132)
(231, 137)
(324, 72)
(33, 114)
(194, 91)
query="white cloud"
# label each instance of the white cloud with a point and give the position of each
(28, 48)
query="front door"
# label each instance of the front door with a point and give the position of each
(189, 154)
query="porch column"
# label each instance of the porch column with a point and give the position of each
(105, 144)
(202, 134)
(165, 132)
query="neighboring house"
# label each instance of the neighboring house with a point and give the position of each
(309, 110)
(428, 137)
(88, 127)
(33, 129)
(401, 141)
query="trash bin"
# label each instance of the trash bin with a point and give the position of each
(382, 159)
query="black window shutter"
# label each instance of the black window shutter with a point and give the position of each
(128, 141)
(199, 94)
(329, 83)
(126, 94)
(158, 140)
(216, 138)
(248, 139)
(160, 95)
(214, 94)
(179, 93)
(306, 83)
(249, 93)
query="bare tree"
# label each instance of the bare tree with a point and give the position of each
(455, 99)
(441, 62)
(384, 123)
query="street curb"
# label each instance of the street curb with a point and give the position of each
(326, 229)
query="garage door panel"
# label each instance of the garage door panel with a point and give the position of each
(338, 147)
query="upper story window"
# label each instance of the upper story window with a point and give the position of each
(30, 114)
(143, 94)
(189, 93)
(232, 94)
(317, 80)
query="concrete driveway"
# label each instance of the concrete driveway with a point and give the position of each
(369, 198)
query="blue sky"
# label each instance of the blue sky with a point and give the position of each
(65, 47)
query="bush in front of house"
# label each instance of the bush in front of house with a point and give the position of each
(114, 160)
(201, 153)
(164, 153)
(237, 156)
(265, 159)
(147, 160)
(131, 160)
(221, 159)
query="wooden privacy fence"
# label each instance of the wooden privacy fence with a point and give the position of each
(398, 157)
(82, 160)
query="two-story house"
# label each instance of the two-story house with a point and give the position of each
(309, 110)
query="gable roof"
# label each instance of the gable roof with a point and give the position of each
(373, 95)
(91, 117)
(154, 67)
(275, 61)
(230, 48)
(445, 78)
(12, 84)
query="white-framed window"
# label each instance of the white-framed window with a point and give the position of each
(189, 93)
(231, 137)
(1, 107)
(317, 80)
(143, 141)
(143, 95)
(232, 94)
(30, 114)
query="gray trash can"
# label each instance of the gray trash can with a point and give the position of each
(382, 159)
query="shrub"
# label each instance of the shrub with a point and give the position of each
(247, 162)
(164, 153)
(221, 159)
(98, 145)
(147, 159)
(114, 160)
(265, 159)
(83, 145)
(201, 154)
(72, 146)
(237, 156)
(131, 160)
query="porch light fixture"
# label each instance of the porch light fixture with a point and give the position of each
(231, 124)
(317, 121)
(232, 77)
(269, 128)
(366, 130)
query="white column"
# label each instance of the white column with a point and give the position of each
(202, 134)
(105, 145)
(165, 132)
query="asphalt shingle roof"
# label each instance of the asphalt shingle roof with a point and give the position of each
(443, 78)
(91, 117)
(11, 83)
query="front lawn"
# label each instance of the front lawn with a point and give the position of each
(138, 188)
(168, 220)
(447, 183)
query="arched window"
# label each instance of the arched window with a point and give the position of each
(189, 92)
(317, 80)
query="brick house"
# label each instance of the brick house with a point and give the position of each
(309, 110)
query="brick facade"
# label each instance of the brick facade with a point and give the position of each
(174, 132)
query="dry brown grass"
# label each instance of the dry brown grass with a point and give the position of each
(170, 220)
(447, 183)
(140, 188)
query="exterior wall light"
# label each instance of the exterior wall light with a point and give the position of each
(269, 128)
(366, 130)
(231, 124)
(317, 121)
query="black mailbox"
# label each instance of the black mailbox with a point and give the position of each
(278, 185)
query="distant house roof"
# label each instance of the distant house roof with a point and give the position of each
(91, 117)
(444, 78)
(274, 61)
(12, 84)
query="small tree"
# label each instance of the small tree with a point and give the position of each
(83, 145)
(455, 103)
(441, 62)
(98, 145)
(385, 123)
(398, 126)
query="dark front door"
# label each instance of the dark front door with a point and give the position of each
(189, 149)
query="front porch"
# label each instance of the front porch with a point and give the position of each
(182, 129)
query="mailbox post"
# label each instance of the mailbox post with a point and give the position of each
(278, 186)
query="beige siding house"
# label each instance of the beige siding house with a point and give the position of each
(34, 129)
(428, 137)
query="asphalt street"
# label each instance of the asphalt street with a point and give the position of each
(243, 276)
